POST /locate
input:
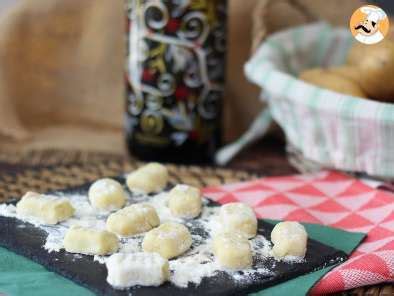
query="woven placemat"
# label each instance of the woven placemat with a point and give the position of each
(45, 173)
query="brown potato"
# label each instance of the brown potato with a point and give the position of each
(375, 65)
(348, 72)
(327, 79)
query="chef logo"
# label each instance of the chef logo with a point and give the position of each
(369, 24)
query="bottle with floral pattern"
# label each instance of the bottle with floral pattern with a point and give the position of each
(175, 78)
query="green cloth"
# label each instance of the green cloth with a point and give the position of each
(20, 276)
(336, 238)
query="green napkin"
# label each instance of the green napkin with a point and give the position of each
(20, 276)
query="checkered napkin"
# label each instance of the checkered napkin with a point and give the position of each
(335, 200)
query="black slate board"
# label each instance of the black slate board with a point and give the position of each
(27, 240)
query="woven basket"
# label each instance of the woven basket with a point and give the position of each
(273, 16)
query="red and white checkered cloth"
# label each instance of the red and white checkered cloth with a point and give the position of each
(332, 199)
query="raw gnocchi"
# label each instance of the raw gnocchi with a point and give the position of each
(185, 201)
(133, 219)
(169, 240)
(46, 208)
(289, 238)
(90, 241)
(152, 177)
(144, 269)
(238, 217)
(107, 194)
(232, 250)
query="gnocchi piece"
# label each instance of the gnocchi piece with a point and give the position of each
(90, 241)
(238, 217)
(46, 208)
(232, 250)
(144, 269)
(133, 219)
(152, 177)
(169, 240)
(185, 201)
(107, 194)
(289, 238)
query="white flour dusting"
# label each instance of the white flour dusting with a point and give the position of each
(7, 210)
(291, 259)
(192, 267)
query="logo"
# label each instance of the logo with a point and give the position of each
(369, 24)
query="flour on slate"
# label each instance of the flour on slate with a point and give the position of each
(191, 267)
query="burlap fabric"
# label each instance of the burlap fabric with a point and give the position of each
(271, 16)
(61, 70)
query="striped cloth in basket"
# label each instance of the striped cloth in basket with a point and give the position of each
(332, 129)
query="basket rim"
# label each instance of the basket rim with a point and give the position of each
(258, 64)
(326, 126)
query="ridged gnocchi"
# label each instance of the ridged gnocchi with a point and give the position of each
(152, 177)
(232, 250)
(238, 217)
(144, 269)
(46, 208)
(289, 238)
(107, 194)
(185, 201)
(133, 219)
(90, 241)
(169, 240)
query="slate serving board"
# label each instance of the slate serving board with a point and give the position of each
(27, 240)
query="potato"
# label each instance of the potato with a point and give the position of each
(375, 65)
(346, 71)
(325, 78)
